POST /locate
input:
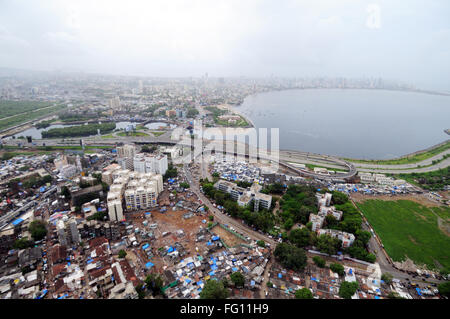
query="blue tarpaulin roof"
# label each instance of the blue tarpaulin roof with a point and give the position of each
(149, 265)
(199, 283)
(17, 221)
(145, 246)
(418, 291)
(89, 261)
(234, 269)
(214, 238)
(211, 273)
(280, 275)
(213, 267)
(170, 249)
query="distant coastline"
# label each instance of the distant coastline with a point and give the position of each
(235, 107)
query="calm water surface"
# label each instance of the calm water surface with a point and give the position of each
(352, 123)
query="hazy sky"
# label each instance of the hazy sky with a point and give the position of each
(406, 40)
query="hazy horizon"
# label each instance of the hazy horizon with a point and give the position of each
(407, 41)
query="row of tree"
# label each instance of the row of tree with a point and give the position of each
(79, 130)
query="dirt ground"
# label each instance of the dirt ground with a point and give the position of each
(230, 239)
(418, 198)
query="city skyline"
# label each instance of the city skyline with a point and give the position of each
(255, 39)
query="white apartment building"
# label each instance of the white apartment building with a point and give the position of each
(144, 163)
(115, 210)
(245, 197)
(346, 238)
(126, 163)
(142, 197)
(139, 190)
(323, 199)
(114, 103)
(316, 221)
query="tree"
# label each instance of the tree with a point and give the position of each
(387, 278)
(214, 289)
(303, 293)
(338, 198)
(38, 230)
(444, 289)
(261, 243)
(320, 262)
(140, 291)
(328, 244)
(238, 279)
(337, 268)
(22, 243)
(184, 185)
(348, 289)
(300, 237)
(192, 112)
(122, 253)
(211, 217)
(65, 192)
(363, 235)
(288, 224)
(155, 283)
(290, 256)
(394, 295)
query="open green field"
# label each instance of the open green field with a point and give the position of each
(408, 229)
(157, 133)
(108, 136)
(10, 108)
(132, 134)
(406, 160)
(28, 115)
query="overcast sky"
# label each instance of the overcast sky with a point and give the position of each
(407, 40)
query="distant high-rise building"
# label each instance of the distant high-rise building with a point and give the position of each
(126, 151)
(114, 103)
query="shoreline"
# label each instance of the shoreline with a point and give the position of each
(233, 108)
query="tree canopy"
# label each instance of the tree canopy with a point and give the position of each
(214, 289)
(348, 289)
(291, 256)
(38, 229)
(238, 279)
(303, 293)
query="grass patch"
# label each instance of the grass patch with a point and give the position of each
(409, 229)
(407, 159)
(158, 133)
(30, 115)
(435, 180)
(107, 136)
(132, 134)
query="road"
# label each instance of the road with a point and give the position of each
(221, 217)
(5, 219)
